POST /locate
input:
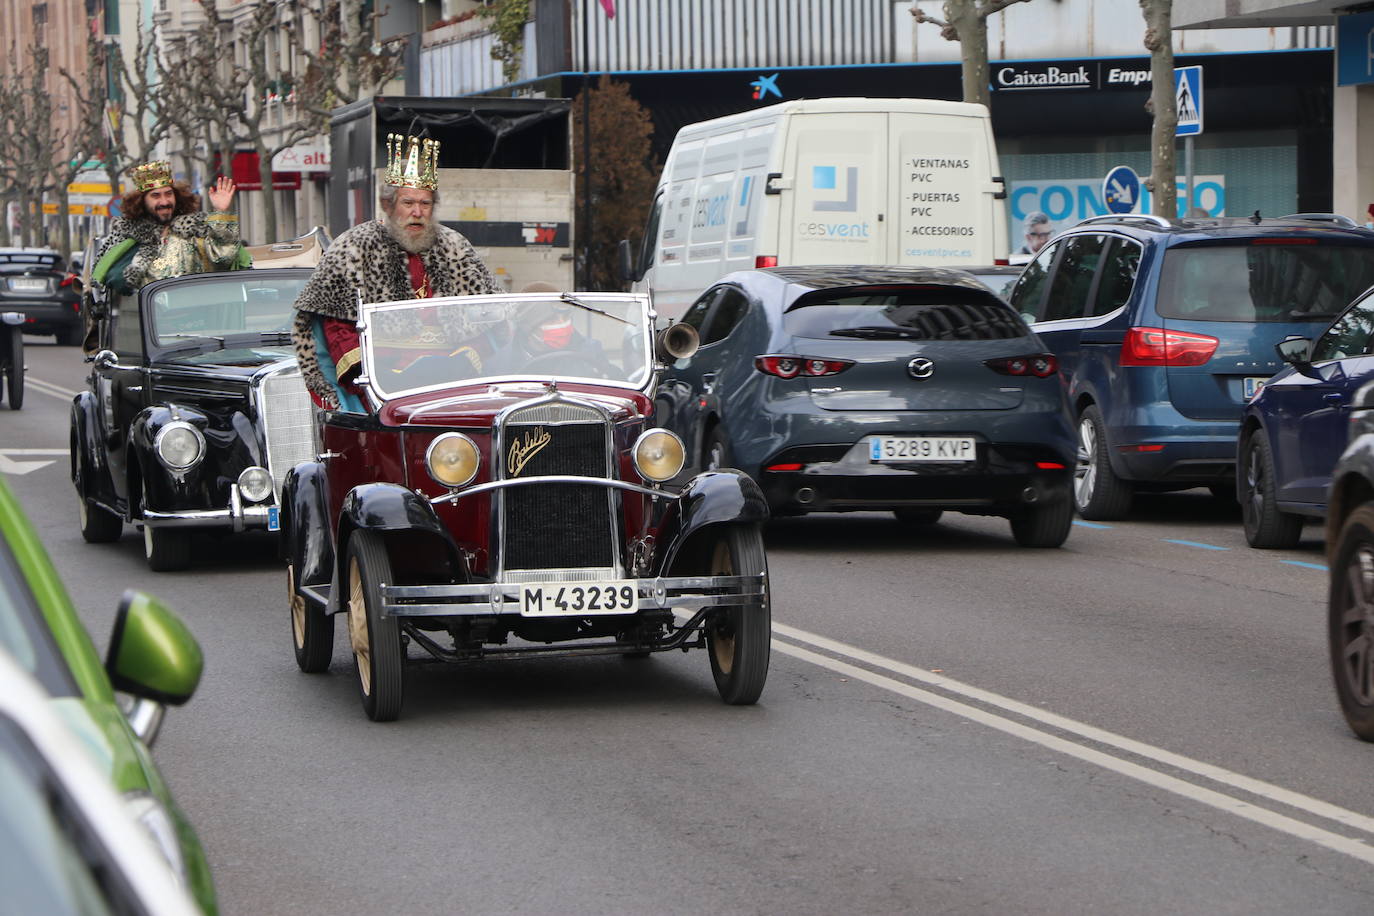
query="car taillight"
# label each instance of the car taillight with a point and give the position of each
(766, 260)
(793, 366)
(1040, 365)
(1158, 347)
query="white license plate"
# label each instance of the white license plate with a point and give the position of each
(1252, 385)
(923, 448)
(28, 284)
(579, 599)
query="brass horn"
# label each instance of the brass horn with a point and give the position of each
(677, 341)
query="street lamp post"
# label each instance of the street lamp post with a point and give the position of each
(586, 144)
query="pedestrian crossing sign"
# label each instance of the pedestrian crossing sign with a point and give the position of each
(1188, 96)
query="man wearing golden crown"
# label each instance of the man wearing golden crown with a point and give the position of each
(163, 232)
(406, 254)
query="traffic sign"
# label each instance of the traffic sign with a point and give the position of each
(1188, 96)
(1121, 189)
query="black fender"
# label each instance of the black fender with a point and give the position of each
(398, 514)
(90, 472)
(305, 540)
(711, 498)
(161, 489)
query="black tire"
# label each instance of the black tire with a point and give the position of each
(738, 640)
(1266, 526)
(715, 450)
(376, 639)
(1097, 492)
(1350, 621)
(98, 525)
(312, 630)
(70, 337)
(1045, 524)
(14, 373)
(166, 549)
(913, 515)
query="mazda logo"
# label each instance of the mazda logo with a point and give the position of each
(920, 367)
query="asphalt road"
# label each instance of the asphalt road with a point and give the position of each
(1139, 722)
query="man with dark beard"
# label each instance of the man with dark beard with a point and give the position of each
(406, 254)
(163, 233)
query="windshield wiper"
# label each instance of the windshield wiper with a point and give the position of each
(877, 333)
(199, 347)
(232, 341)
(573, 300)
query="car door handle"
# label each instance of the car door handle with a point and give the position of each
(1335, 399)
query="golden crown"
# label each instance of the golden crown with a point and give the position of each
(153, 175)
(412, 162)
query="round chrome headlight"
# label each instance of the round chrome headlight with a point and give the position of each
(659, 454)
(179, 445)
(452, 459)
(255, 484)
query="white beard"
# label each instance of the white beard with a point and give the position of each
(413, 243)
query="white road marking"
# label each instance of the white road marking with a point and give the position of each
(16, 468)
(48, 388)
(1352, 847)
(1092, 733)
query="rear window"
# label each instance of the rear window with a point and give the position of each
(1282, 281)
(911, 313)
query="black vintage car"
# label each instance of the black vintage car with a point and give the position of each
(194, 411)
(12, 357)
(35, 283)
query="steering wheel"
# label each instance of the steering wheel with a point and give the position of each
(570, 360)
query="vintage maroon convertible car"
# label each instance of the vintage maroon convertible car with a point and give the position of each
(499, 490)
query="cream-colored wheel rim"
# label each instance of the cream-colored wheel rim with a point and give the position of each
(81, 502)
(722, 645)
(357, 626)
(147, 540)
(297, 605)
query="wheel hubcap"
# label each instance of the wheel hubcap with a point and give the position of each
(1357, 626)
(1085, 465)
(723, 629)
(357, 627)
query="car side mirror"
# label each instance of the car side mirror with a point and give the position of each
(626, 254)
(1294, 350)
(678, 341)
(152, 655)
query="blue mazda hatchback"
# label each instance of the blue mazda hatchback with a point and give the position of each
(1299, 423)
(1165, 328)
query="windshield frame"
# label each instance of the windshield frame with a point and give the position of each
(646, 329)
(169, 347)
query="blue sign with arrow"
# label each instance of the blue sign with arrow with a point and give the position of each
(1121, 189)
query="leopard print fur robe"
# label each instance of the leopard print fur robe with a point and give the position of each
(367, 260)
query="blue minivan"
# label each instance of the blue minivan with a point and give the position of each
(1165, 328)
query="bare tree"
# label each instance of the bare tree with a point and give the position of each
(346, 63)
(138, 113)
(1163, 180)
(966, 21)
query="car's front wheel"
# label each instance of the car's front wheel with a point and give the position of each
(1097, 492)
(312, 630)
(1350, 621)
(1265, 525)
(166, 549)
(738, 639)
(376, 638)
(14, 373)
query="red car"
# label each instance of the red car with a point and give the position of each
(493, 486)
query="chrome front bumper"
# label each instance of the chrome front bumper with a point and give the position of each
(238, 517)
(490, 599)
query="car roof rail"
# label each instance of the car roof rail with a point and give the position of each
(1336, 218)
(1123, 217)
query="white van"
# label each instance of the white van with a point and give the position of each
(822, 181)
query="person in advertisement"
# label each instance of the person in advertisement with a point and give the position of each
(406, 254)
(1037, 231)
(164, 233)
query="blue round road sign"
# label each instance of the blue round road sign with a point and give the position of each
(1121, 189)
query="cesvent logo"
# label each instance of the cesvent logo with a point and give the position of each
(824, 178)
(920, 367)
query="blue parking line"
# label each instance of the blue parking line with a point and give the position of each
(1083, 524)
(1194, 544)
(1307, 565)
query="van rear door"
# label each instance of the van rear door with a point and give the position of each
(947, 209)
(834, 213)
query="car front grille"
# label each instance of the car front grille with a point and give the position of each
(287, 417)
(557, 525)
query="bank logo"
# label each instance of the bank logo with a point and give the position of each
(764, 85)
(826, 178)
